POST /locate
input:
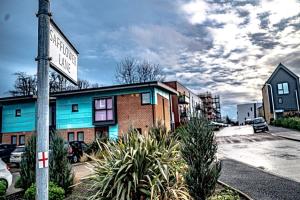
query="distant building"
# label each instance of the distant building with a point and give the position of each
(183, 104)
(247, 111)
(211, 106)
(281, 93)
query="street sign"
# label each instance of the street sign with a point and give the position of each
(64, 56)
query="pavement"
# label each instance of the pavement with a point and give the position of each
(285, 133)
(257, 183)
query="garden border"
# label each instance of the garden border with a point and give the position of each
(236, 190)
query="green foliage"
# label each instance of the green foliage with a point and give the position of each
(225, 195)
(199, 150)
(18, 183)
(140, 167)
(3, 186)
(288, 122)
(55, 192)
(60, 171)
(60, 167)
(27, 165)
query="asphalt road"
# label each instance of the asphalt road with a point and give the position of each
(263, 150)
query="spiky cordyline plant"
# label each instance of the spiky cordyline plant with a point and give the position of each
(139, 167)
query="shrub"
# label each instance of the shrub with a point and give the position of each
(60, 168)
(140, 167)
(288, 122)
(18, 183)
(60, 171)
(55, 192)
(3, 186)
(199, 150)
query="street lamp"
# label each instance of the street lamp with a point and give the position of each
(269, 85)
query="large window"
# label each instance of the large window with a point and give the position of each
(283, 88)
(104, 110)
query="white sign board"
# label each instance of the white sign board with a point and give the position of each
(43, 159)
(64, 57)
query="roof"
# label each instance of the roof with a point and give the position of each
(179, 83)
(92, 90)
(281, 66)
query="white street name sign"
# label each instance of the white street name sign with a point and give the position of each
(64, 57)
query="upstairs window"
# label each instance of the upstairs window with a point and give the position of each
(104, 110)
(146, 98)
(74, 107)
(18, 112)
(283, 88)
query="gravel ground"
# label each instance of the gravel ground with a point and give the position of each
(258, 184)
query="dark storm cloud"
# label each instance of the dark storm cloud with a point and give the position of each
(263, 40)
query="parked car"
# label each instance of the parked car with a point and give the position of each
(75, 150)
(5, 151)
(5, 173)
(16, 155)
(259, 124)
(248, 122)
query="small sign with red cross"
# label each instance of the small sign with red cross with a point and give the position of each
(43, 159)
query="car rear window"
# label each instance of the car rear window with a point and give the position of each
(20, 149)
(260, 120)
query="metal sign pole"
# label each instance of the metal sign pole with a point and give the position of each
(42, 173)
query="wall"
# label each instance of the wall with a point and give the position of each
(244, 109)
(24, 123)
(162, 112)
(131, 112)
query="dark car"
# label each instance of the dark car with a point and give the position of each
(259, 124)
(75, 150)
(6, 150)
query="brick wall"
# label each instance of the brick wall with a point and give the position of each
(131, 112)
(162, 111)
(89, 133)
(6, 137)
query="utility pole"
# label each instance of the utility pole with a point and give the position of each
(42, 146)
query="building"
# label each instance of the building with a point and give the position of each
(211, 106)
(280, 94)
(183, 104)
(90, 113)
(247, 111)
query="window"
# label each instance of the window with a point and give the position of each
(283, 88)
(251, 108)
(18, 112)
(71, 137)
(104, 110)
(280, 100)
(146, 98)
(74, 107)
(80, 136)
(248, 114)
(21, 139)
(13, 139)
(139, 130)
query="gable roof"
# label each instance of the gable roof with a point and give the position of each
(281, 66)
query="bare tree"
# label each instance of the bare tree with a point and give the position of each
(126, 70)
(24, 85)
(147, 71)
(130, 70)
(27, 84)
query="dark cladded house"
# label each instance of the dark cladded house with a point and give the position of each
(84, 115)
(281, 93)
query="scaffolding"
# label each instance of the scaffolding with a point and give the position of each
(211, 108)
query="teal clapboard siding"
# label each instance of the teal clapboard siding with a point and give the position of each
(160, 92)
(66, 119)
(26, 122)
(113, 132)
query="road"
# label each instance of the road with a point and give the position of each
(262, 150)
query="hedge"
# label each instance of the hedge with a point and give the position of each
(288, 122)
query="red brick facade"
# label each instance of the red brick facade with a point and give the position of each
(131, 112)
(89, 133)
(7, 137)
(162, 112)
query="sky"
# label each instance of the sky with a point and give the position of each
(226, 47)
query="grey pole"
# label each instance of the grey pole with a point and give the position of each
(42, 174)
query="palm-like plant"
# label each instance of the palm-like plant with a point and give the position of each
(138, 167)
